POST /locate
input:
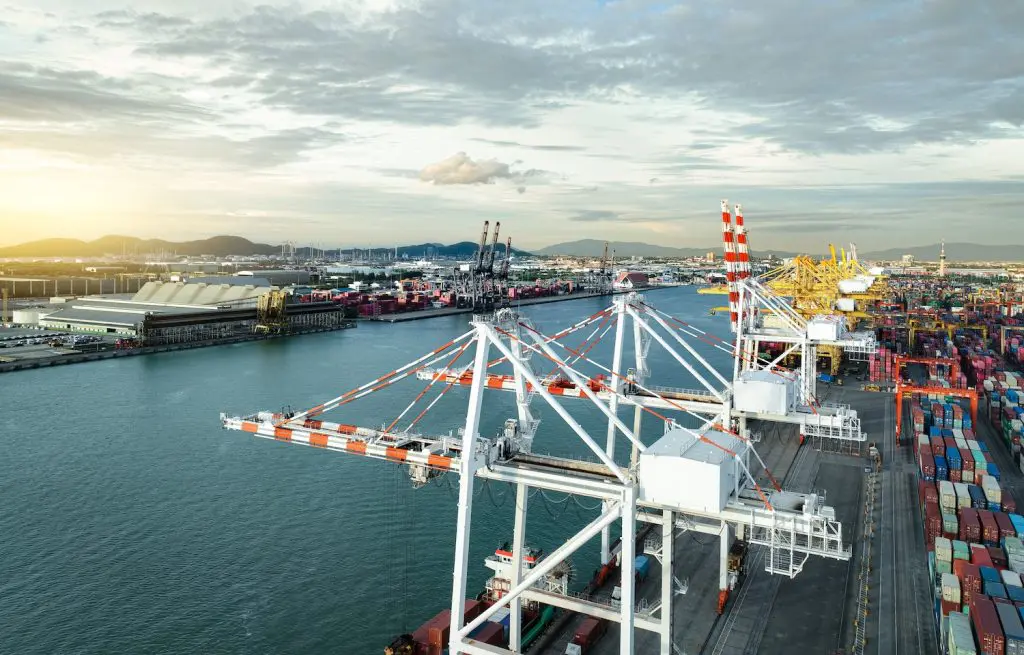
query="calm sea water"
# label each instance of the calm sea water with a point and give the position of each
(130, 522)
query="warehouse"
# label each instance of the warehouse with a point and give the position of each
(195, 299)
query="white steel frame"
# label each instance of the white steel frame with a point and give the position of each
(793, 526)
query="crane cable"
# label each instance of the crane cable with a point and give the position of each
(586, 391)
(733, 352)
(430, 384)
(383, 381)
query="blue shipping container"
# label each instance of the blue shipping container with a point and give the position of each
(1012, 395)
(1016, 594)
(934, 432)
(995, 589)
(1018, 523)
(994, 507)
(953, 459)
(941, 468)
(978, 500)
(983, 446)
(989, 574)
(993, 470)
(947, 433)
(642, 564)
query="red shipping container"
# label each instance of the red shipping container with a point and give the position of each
(932, 523)
(954, 475)
(970, 528)
(949, 442)
(980, 556)
(970, 580)
(1005, 526)
(1008, 503)
(440, 626)
(938, 446)
(949, 606)
(927, 492)
(989, 528)
(925, 462)
(491, 633)
(998, 557)
(987, 629)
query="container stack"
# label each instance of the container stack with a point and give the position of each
(882, 365)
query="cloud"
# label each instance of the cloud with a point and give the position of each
(595, 215)
(461, 169)
(634, 107)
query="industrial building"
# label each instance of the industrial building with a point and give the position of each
(631, 280)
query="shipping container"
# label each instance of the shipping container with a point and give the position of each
(1013, 632)
(994, 590)
(980, 556)
(960, 640)
(588, 633)
(989, 528)
(1005, 525)
(1010, 578)
(969, 527)
(489, 633)
(990, 574)
(987, 628)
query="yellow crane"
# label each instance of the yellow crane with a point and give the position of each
(835, 284)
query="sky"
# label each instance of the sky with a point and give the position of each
(383, 122)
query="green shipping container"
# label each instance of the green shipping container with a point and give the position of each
(961, 550)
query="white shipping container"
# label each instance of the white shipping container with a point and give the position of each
(1013, 545)
(988, 385)
(950, 588)
(922, 440)
(943, 550)
(947, 495)
(963, 496)
(958, 433)
(961, 443)
(961, 637)
(1011, 578)
(973, 445)
(991, 488)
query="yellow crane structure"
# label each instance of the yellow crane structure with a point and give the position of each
(832, 285)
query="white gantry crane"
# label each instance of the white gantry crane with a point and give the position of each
(700, 479)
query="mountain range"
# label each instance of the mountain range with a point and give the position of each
(219, 246)
(224, 246)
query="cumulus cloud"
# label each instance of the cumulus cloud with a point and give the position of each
(460, 168)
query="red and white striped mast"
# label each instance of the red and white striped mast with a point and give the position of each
(742, 255)
(730, 264)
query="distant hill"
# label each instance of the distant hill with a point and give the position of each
(955, 252)
(220, 246)
(595, 247)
